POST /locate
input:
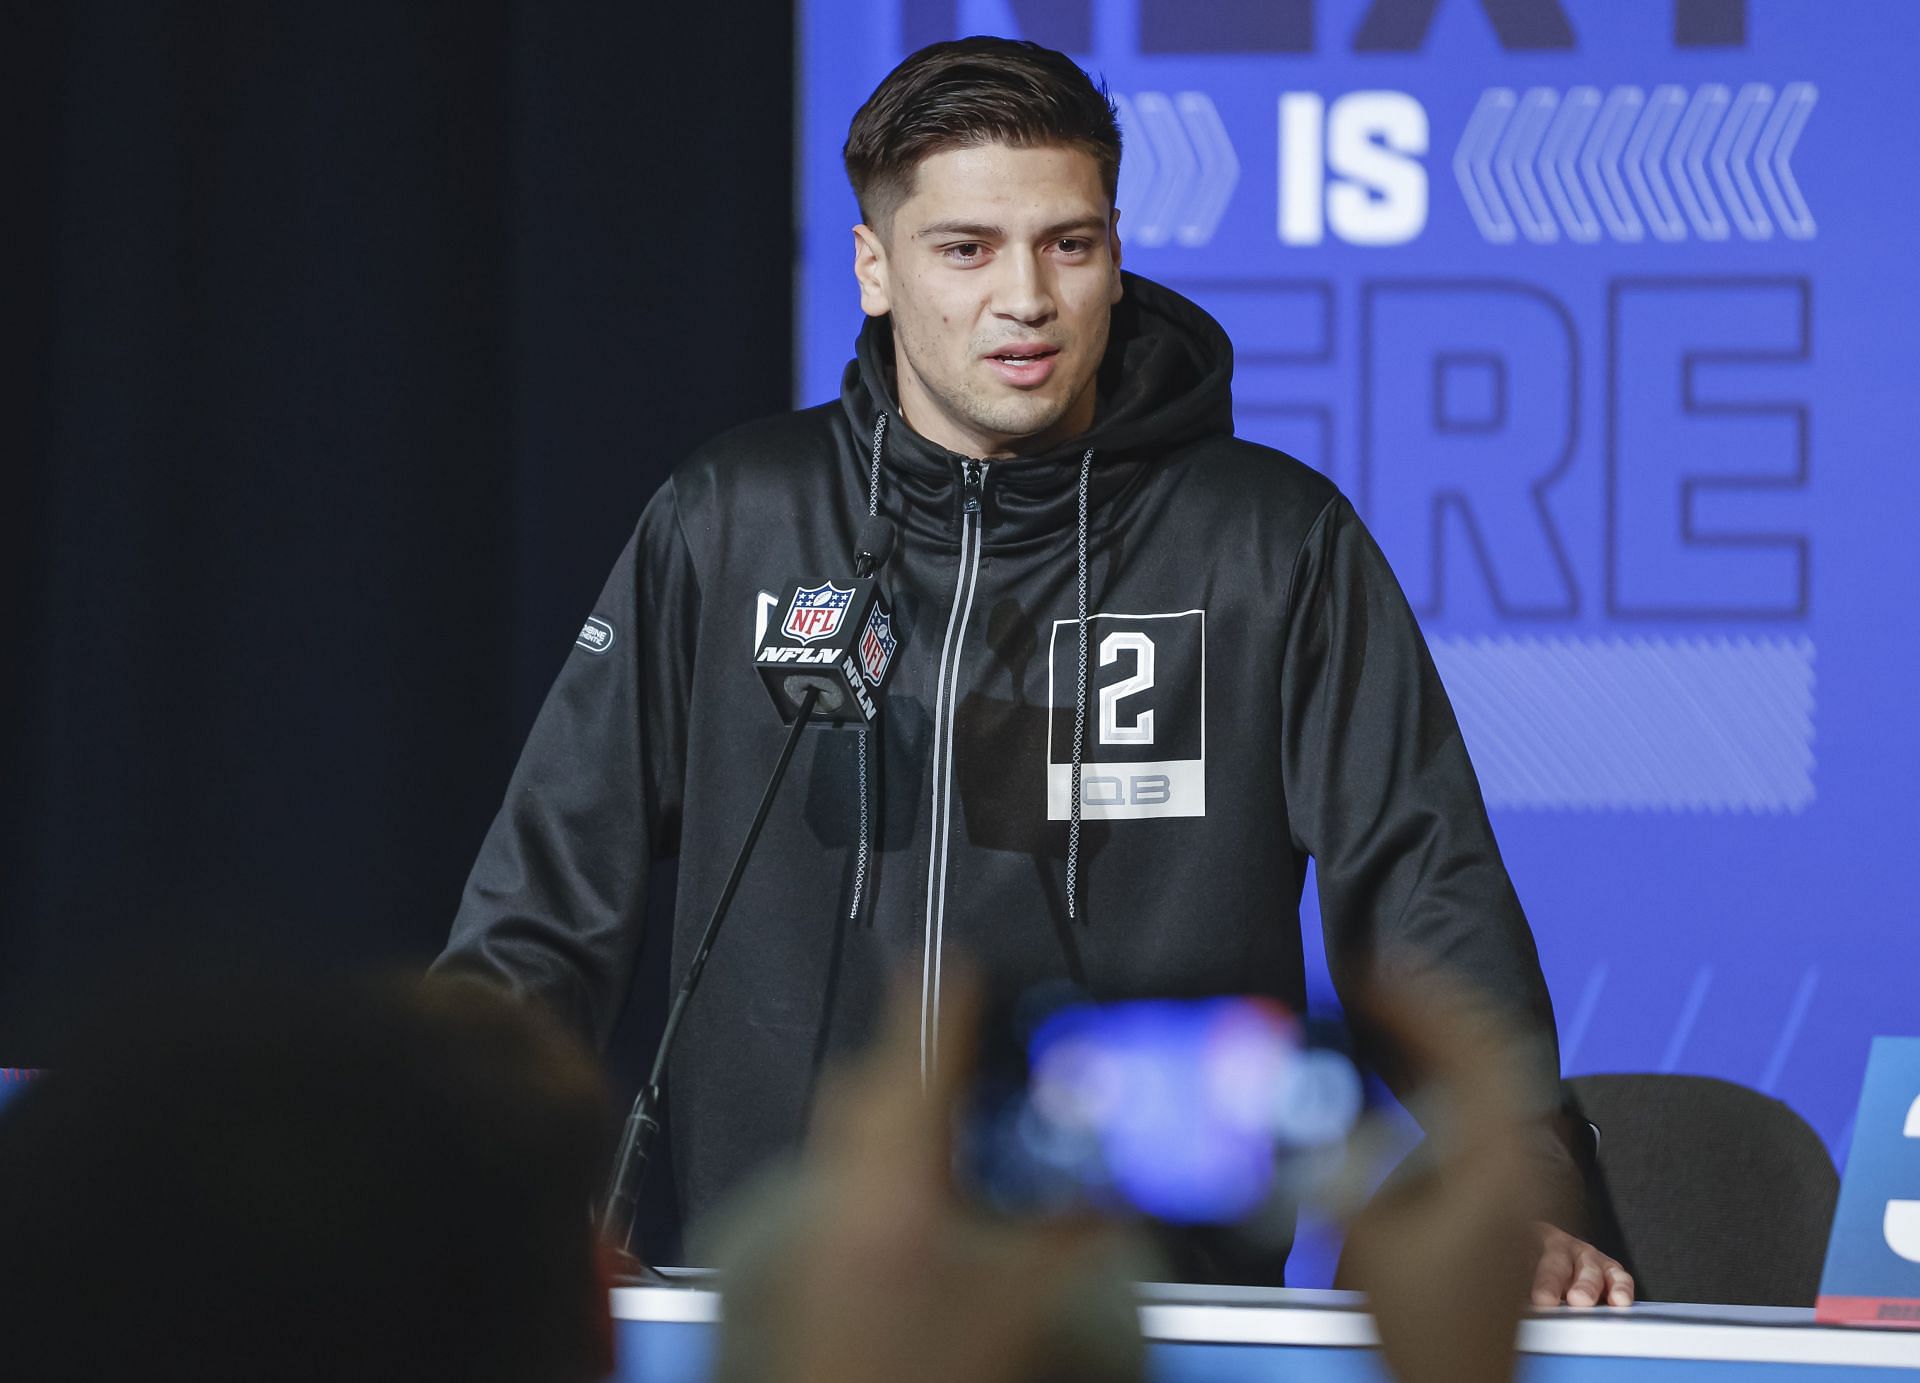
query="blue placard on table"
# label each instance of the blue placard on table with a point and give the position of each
(1872, 1275)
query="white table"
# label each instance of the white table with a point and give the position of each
(1304, 1335)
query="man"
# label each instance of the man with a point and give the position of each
(1145, 671)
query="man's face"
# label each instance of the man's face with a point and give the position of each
(1000, 271)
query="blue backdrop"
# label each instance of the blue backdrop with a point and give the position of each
(1601, 313)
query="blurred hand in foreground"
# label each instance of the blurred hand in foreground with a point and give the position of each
(1447, 1259)
(867, 1266)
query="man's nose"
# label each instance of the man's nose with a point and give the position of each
(1023, 292)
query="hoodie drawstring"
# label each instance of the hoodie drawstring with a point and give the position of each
(1079, 691)
(860, 859)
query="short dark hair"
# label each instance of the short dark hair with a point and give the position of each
(974, 91)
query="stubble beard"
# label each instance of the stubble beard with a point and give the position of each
(1008, 416)
(1011, 417)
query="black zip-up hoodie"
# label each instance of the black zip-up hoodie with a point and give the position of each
(1255, 692)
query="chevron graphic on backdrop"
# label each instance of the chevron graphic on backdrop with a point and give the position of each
(1683, 725)
(1180, 169)
(1633, 164)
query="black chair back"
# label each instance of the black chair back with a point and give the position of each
(1707, 1190)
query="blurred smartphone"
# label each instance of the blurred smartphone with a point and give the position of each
(1188, 1111)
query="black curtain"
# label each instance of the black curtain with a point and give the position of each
(352, 339)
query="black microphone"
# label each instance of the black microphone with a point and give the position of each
(828, 661)
(873, 546)
(835, 641)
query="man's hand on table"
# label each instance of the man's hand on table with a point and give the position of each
(1573, 1271)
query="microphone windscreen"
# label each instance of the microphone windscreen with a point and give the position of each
(875, 540)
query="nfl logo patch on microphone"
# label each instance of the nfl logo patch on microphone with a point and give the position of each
(816, 611)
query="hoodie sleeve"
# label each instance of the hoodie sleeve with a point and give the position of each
(554, 905)
(1380, 792)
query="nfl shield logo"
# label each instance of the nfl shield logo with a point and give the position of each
(876, 646)
(816, 612)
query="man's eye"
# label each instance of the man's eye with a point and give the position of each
(965, 252)
(1074, 245)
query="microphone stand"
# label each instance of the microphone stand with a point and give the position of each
(636, 1142)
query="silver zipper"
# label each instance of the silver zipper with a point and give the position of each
(973, 480)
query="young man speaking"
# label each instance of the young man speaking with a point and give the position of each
(1144, 670)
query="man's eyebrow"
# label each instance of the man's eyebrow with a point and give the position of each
(1082, 224)
(979, 230)
(974, 229)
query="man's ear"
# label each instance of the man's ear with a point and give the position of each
(1113, 253)
(870, 268)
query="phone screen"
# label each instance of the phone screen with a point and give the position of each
(1188, 1111)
